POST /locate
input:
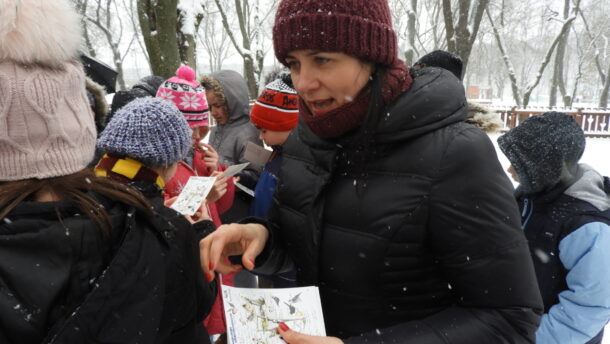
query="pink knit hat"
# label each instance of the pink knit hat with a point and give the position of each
(47, 128)
(188, 95)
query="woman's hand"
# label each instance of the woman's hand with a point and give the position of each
(292, 337)
(231, 240)
(210, 156)
(219, 188)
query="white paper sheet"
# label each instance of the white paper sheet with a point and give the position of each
(193, 193)
(234, 169)
(253, 315)
(256, 154)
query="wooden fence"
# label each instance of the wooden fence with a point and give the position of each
(594, 122)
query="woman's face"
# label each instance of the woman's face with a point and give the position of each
(325, 80)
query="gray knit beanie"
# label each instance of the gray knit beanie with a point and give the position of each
(541, 148)
(149, 130)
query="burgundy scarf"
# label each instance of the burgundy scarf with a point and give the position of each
(351, 115)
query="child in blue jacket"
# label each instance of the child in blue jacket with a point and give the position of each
(274, 114)
(565, 209)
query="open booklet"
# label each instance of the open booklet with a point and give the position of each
(253, 315)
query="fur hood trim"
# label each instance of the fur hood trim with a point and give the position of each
(484, 119)
(100, 106)
(46, 32)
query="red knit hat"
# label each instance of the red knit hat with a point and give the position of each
(361, 28)
(277, 108)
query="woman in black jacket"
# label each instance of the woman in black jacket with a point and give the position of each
(83, 259)
(387, 200)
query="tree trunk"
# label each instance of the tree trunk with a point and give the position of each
(411, 20)
(244, 49)
(81, 7)
(509, 66)
(461, 38)
(603, 99)
(545, 62)
(558, 81)
(158, 21)
(449, 29)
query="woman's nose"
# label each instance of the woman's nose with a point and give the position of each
(307, 80)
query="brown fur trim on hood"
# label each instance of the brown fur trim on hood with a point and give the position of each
(100, 105)
(483, 118)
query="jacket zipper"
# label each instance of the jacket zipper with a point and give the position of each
(528, 210)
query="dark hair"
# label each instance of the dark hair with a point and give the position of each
(78, 187)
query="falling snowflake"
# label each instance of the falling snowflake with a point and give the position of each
(166, 95)
(190, 101)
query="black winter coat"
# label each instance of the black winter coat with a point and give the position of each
(422, 243)
(64, 282)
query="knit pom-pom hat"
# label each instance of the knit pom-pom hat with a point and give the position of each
(361, 28)
(277, 107)
(149, 130)
(188, 95)
(39, 32)
(47, 128)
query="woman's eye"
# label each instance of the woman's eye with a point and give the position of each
(292, 65)
(321, 60)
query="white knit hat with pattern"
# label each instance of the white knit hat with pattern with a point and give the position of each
(47, 128)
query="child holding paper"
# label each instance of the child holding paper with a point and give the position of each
(202, 160)
(143, 143)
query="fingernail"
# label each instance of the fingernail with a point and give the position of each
(208, 277)
(251, 262)
(283, 327)
(211, 266)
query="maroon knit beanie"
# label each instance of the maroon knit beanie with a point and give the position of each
(361, 28)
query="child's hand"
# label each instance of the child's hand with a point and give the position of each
(219, 188)
(210, 156)
(201, 214)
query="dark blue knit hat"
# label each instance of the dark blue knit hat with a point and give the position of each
(149, 130)
(542, 148)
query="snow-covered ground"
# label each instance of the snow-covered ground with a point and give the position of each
(597, 155)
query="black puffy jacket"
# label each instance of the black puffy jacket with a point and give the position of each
(62, 281)
(422, 243)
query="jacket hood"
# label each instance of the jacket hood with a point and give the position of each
(591, 187)
(483, 118)
(236, 94)
(544, 150)
(39, 32)
(436, 99)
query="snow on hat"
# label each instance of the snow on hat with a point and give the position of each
(188, 95)
(149, 130)
(541, 148)
(277, 107)
(47, 128)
